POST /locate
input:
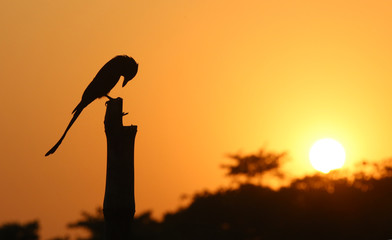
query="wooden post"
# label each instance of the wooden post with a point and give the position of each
(119, 200)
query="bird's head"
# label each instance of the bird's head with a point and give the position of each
(130, 68)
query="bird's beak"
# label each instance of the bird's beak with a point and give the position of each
(129, 78)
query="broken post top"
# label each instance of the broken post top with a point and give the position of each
(114, 113)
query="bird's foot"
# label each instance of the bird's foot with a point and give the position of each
(124, 113)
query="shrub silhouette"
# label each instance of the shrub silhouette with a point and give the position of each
(313, 207)
(17, 231)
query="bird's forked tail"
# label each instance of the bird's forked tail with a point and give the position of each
(76, 114)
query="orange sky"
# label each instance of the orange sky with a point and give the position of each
(215, 77)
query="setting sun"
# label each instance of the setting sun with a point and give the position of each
(327, 154)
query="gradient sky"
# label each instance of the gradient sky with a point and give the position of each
(215, 77)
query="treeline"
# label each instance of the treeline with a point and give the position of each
(314, 207)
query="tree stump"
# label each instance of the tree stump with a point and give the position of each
(119, 200)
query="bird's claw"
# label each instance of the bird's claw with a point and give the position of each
(109, 97)
(124, 113)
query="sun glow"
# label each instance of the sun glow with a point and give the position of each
(327, 154)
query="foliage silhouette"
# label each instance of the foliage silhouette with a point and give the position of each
(17, 231)
(313, 207)
(255, 164)
(60, 238)
(144, 227)
(93, 223)
(306, 209)
(255, 212)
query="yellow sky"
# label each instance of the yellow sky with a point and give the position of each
(215, 77)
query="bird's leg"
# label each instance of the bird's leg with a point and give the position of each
(110, 98)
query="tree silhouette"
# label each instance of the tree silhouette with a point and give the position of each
(17, 231)
(255, 212)
(93, 223)
(60, 238)
(313, 207)
(144, 227)
(257, 164)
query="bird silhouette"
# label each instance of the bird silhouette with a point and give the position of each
(100, 86)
